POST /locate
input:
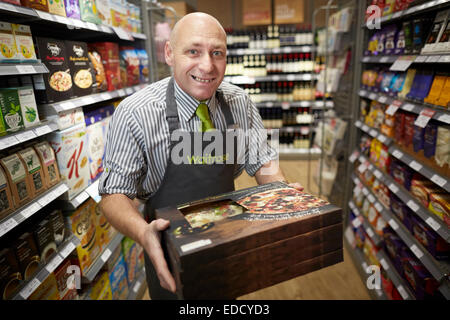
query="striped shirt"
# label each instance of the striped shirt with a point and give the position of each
(137, 146)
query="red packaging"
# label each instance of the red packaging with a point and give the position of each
(385, 160)
(109, 52)
(17, 2)
(399, 127)
(408, 131)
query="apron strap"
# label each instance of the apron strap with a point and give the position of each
(171, 108)
(225, 109)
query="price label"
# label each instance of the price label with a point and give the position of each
(8, 7)
(393, 107)
(370, 232)
(67, 250)
(366, 59)
(128, 91)
(29, 289)
(53, 264)
(413, 205)
(362, 93)
(373, 133)
(424, 117)
(393, 224)
(433, 224)
(415, 165)
(275, 78)
(365, 191)
(25, 69)
(88, 100)
(393, 188)
(7, 226)
(364, 265)
(408, 107)
(286, 106)
(30, 210)
(276, 50)
(417, 251)
(398, 154)
(121, 92)
(372, 96)
(290, 77)
(357, 191)
(420, 59)
(46, 199)
(384, 264)
(137, 286)
(62, 20)
(354, 156)
(382, 99)
(444, 59)
(397, 14)
(7, 142)
(269, 104)
(67, 106)
(402, 292)
(379, 207)
(78, 23)
(363, 167)
(438, 180)
(384, 59)
(105, 256)
(61, 189)
(433, 59)
(44, 15)
(122, 34)
(42, 130)
(365, 127)
(402, 63)
(378, 174)
(444, 118)
(25, 136)
(105, 29)
(371, 198)
(105, 96)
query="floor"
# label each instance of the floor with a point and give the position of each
(338, 282)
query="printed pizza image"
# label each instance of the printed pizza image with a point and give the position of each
(60, 81)
(283, 200)
(83, 79)
(203, 216)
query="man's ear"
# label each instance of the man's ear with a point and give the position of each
(168, 53)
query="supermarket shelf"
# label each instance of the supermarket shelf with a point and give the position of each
(431, 5)
(299, 154)
(397, 280)
(430, 219)
(137, 286)
(102, 258)
(25, 135)
(361, 265)
(26, 211)
(443, 182)
(10, 9)
(439, 269)
(14, 69)
(141, 36)
(272, 78)
(90, 191)
(90, 99)
(362, 220)
(241, 52)
(441, 114)
(374, 133)
(296, 104)
(444, 58)
(64, 250)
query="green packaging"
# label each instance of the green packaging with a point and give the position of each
(28, 106)
(11, 112)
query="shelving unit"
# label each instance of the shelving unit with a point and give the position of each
(138, 286)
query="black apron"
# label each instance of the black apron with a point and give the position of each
(187, 182)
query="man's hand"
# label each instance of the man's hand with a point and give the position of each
(156, 255)
(296, 185)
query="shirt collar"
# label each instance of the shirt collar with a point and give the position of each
(187, 105)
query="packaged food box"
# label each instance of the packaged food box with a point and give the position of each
(7, 44)
(95, 144)
(11, 112)
(89, 12)
(144, 72)
(48, 162)
(105, 232)
(58, 82)
(429, 140)
(79, 65)
(57, 226)
(243, 229)
(72, 9)
(17, 177)
(98, 70)
(118, 280)
(439, 204)
(24, 42)
(418, 277)
(129, 251)
(34, 171)
(394, 247)
(28, 107)
(6, 199)
(436, 89)
(131, 63)
(435, 33)
(401, 211)
(421, 188)
(47, 290)
(435, 245)
(109, 53)
(104, 12)
(442, 153)
(444, 98)
(41, 5)
(45, 242)
(57, 7)
(116, 253)
(62, 276)
(27, 255)
(401, 173)
(81, 223)
(101, 288)
(70, 118)
(70, 147)
(10, 276)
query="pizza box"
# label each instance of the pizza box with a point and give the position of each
(229, 245)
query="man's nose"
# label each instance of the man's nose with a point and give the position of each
(206, 64)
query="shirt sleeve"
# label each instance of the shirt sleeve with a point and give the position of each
(123, 164)
(259, 152)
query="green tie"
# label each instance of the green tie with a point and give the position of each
(203, 114)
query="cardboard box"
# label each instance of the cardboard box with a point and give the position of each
(10, 275)
(17, 177)
(6, 200)
(41, 5)
(10, 111)
(104, 11)
(28, 107)
(70, 147)
(109, 52)
(226, 236)
(57, 7)
(77, 54)
(45, 242)
(95, 144)
(256, 12)
(62, 277)
(58, 82)
(118, 280)
(34, 171)
(101, 288)
(48, 161)
(130, 255)
(8, 52)
(27, 255)
(57, 226)
(105, 231)
(72, 9)
(88, 11)
(289, 11)
(70, 118)
(48, 290)
(24, 42)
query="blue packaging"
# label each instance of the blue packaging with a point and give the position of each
(118, 280)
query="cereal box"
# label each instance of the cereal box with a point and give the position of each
(105, 231)
(69, 118)
(70, 146)
(95, 143)
(24, 42)
(104, 12)
(62, 275)
(10, 110)
(79, 65)
(57, 7)
(8, 51)
(101, 289)
(89, 12)
(34, 170)
(17, 177)
(118, 280)
(6, 200)
(72, 9)
(28, 106)
(81, 223)
(129, 251)
(41, 5)
(48, 162)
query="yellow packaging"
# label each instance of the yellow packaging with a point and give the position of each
(408, 83)
(82, 224)
(105, 232)
(57, 7)
(101, 290)
(440, 205)
(8, 52)
(47, 290)
(436, 90)
(24, 42)
(444, 98)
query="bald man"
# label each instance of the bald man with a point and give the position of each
(139, 162)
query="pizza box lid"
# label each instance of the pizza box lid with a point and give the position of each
(271, 212)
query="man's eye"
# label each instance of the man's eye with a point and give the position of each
(192, 51)
(217, 53)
